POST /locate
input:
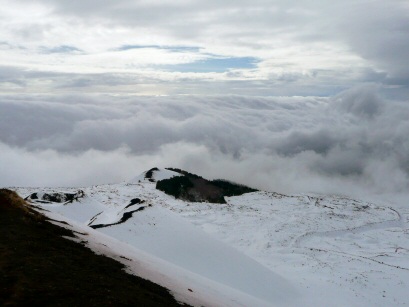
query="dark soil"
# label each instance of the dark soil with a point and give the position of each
(126, 216)
(40, 268)
(134, 202)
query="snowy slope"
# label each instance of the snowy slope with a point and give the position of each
(186, 286)
(338, 251)
(258, 249)
(163, 235)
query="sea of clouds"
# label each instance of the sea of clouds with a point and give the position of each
(353, 143)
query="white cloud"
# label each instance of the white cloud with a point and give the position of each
(320, 47)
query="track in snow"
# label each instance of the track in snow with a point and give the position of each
(354, 230)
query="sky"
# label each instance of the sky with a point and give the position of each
(291, 96)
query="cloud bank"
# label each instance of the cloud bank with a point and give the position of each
(351, 143)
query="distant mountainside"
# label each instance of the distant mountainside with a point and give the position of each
(217, 243)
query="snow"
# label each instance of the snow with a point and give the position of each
(338, 251)
(162, 233)
(186, 286)
(258, 249)
(157, 175)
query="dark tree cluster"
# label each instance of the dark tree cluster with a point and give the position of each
(191, 187)
(175, 186)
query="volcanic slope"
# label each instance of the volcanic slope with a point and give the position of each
(127, 222)
(41, 265)
(255, 249)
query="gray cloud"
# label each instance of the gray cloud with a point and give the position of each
(362, 102)
(354, 141)
(382, 35)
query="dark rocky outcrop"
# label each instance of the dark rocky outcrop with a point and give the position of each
(58, 197)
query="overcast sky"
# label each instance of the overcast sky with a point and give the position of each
(287, 95)
(258, 47)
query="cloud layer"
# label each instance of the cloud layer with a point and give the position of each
(260, 47)
(352, 142)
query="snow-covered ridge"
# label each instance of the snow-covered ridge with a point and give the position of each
(257, 249)
(55, 197)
